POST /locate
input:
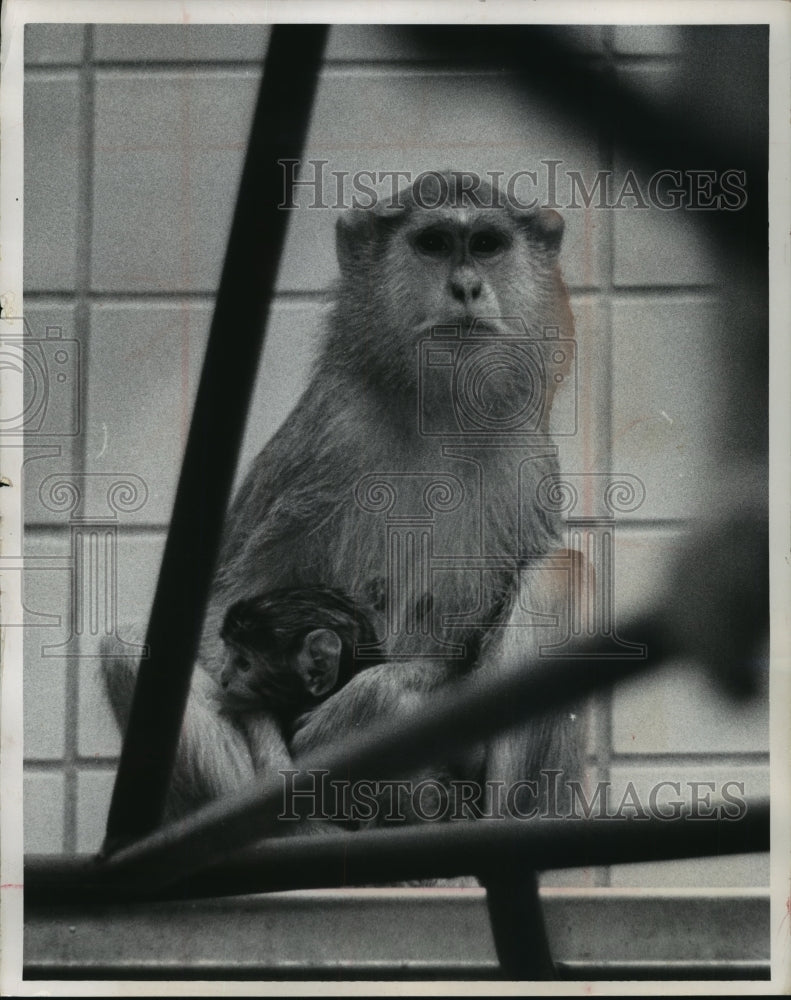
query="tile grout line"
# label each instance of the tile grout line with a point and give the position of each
(82, 323)
(603, 706)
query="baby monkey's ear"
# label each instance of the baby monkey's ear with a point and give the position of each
(318, 661)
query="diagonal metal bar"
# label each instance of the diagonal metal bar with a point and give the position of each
(257, 235)
(392, 748)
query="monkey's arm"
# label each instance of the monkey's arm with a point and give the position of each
(376, 693)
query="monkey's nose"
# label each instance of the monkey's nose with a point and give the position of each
(465, 287)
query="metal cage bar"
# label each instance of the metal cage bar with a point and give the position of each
(257, 235)
(491, 849)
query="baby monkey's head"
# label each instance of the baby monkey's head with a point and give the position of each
(288, 649)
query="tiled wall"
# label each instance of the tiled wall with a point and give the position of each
(133, 144)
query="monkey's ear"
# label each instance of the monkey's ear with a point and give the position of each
(356, 233)
(545, 226)
(319, 660)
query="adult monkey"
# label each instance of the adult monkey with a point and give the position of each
(383, 404)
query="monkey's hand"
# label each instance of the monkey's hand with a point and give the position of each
(383, 690)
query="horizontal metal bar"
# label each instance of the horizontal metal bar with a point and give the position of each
(400, 934)
(487, 848)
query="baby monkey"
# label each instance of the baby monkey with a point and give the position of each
(289, 649)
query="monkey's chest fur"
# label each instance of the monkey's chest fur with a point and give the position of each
(429, 536)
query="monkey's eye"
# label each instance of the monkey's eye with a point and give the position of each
(241, 663)
(433, 242)
(486, 243)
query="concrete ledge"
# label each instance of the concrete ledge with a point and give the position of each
(399, 934)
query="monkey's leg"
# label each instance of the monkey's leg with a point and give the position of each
(551, 743)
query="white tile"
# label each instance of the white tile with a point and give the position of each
(435, 122)
(53, 43)
(143, 373)
(168, 154)
(144, 368)
(180, 43)
(681, 710)
(52, 159)
(138, 562)
(668, 375)
(94, 791)
(656, 245)
(586, 451)
(56, 371)
(44, 805)
(47, 596)
(292, 341)
(164, 195)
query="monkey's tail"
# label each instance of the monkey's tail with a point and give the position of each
(212, 757)
(118, 672)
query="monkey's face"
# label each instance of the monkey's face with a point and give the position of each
(408, 270)
(452, 266)
(281, 678)
(240, 677)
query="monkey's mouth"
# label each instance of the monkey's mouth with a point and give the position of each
(486, 325)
